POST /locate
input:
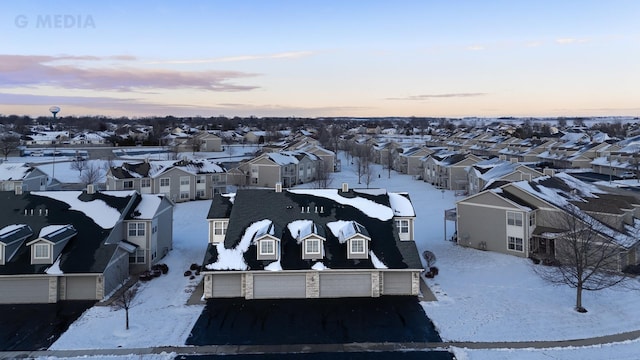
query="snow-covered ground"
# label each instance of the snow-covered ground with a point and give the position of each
(159, 315)
(482, 296)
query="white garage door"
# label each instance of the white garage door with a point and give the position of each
(24, 290)
(279, 286)
(345, 285)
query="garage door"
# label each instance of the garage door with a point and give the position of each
(345, 285)
(81, 287)
(226, 285)
(397, 283)
(24, 290)
(279, 286)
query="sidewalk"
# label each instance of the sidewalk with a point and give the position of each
(322, 348)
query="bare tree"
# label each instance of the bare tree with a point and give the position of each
(124, 301)
(80, 164)
(391, 149)
(324, 175)
(369, 174)
(8, 144)
(585, 258)
(92, 174)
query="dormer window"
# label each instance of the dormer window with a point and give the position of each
(267, 247)
(41, 251)
(357, 246)
(312, 246)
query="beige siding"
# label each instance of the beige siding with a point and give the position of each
(226, 285)
(397, 283)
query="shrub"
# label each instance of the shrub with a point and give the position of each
(434, 270)
(187, 273)
(194, 267)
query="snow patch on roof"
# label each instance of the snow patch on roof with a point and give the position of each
(10, 229)
(148, 206)
(376, 262)
(55, 268)
(319, 266)
(299, 229)
(14, 171)
(274, 266)
(52, 230)
(97, 210)
(401, 205)
(233, 259)
(368, 207)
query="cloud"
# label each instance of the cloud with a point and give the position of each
(476, 48)
(565, 41)
(104, 105)
(25, 71)
(283, 55)
(437, 96)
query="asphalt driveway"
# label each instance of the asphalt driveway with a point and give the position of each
(37, 326)
(312, 321)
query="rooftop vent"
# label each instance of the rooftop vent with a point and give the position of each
(278, 187)
(345, 187)
(91, 189)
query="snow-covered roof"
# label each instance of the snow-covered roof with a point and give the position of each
(148, 206)
(14, 171)
(401, 205)
(233, 259)
(102, 214)
(369, 207)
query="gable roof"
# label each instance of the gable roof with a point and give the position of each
(14, 171)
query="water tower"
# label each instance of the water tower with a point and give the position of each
(54, 110)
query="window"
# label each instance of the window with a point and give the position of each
(312, 246)
(184, 180)
(514, 219)
(357, 246)
(184, 196)
(41, 251)
(201, 179)
(532, 219)
(136, 229)
(127, 184)
(219, 227)
(403, 226)
(165, 182)
(515, 243)
(145, 183)
(200, 193)
(137, 257)
(267, 247)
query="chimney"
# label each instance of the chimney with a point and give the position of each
(549, 172)
(18, 189)
(513, 160)
(278, 187)
(90, 189)
(345, 187)
(502, 157)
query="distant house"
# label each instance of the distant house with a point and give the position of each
(486, 172)
(521, 218)
(447, 169)
(310, 243)
(182, 180)
(287, 168)
(87, 138)
(208, 142)
(21, 176)
(77, 245)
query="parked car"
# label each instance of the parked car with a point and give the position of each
(628, 175)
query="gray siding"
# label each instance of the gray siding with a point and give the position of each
(273, 286)
(117, 271)
(165, 229)
(226, 285)
(24, 290)
(81, 287)
(345, 285)
(397, 283)
(483, 227)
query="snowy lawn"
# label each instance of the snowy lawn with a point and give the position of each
(159, 316)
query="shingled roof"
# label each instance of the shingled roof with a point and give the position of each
(321, 207)
(86, 252)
